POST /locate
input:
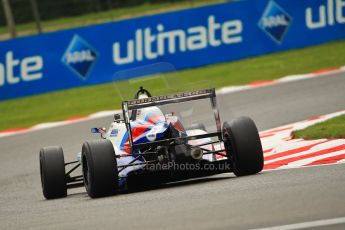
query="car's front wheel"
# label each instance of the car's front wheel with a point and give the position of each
(99, 168)
(243, 146)
(52, 169)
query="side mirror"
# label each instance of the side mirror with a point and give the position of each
(99, 130)
(117, 117)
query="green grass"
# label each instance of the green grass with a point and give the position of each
(333, 128)
(104, 16)
(25, 112)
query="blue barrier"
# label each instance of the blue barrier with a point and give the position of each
(186, 39)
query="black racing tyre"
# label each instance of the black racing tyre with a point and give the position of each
(52, 169)
(99, 168)
(243, 146)
(197, 126)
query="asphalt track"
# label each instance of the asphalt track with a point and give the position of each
(271, 198)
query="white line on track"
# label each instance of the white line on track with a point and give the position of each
(304, 225)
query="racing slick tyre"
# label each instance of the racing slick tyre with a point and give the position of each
(243, 146)
(197, 126)
(52, 170)
(99, 168)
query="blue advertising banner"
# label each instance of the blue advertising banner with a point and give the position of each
(186, 39)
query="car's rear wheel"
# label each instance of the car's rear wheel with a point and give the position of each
(52, 169)
(99, 168)
(243, 146)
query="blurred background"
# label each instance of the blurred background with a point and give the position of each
(28, 17)
(258, 58)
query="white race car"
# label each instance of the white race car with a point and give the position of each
(144, 145)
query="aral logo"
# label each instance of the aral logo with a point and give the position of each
(79, 57)
(275, 22)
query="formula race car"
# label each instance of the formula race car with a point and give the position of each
(144, 144)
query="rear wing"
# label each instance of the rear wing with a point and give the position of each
(170, 99)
